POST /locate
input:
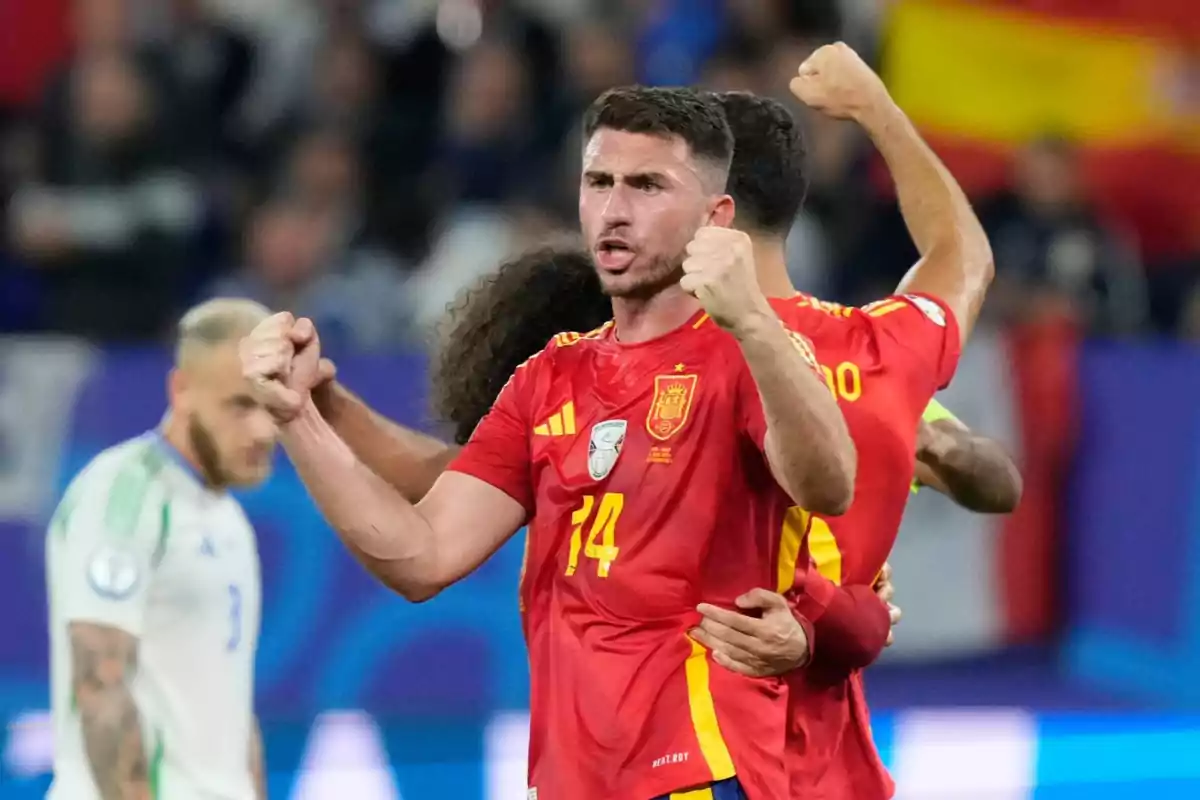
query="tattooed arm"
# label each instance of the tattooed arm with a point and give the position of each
(104, 660)
(258, 767)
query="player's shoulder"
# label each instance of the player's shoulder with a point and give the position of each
(807, 313)
(115, 487)
(560, 354)
(134, 462)
(568, 346)
(565, 339)
(910, 307)
(805, 309)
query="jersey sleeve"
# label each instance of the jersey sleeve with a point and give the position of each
(920, 332)
(498, 452)
(849, 624)
(105, 542)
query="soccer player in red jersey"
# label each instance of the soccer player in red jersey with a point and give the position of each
(883, 362)
(689, 431)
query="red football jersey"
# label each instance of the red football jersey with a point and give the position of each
(643, 472)
(883, 363)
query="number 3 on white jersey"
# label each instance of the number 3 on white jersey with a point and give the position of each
(235, 618)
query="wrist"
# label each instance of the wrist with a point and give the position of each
(805, 635)
(753, 324)
(305, 421)
(324, 397)
(880, 115)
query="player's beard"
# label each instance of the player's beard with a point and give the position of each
(656, 276)
(204, 445)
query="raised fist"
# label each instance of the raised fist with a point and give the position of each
(836, 81)
(719, 272)
(281, 358)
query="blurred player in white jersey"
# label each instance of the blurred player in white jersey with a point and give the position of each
(153, 583)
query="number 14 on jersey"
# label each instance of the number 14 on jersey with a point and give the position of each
(603, 527)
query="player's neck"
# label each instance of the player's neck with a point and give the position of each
(770, 264)
(642, 319)
(174, 433)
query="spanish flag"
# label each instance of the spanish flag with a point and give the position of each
(1119, 77)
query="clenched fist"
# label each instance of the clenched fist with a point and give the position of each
(282, 360)
(719, 272)
(836, 82)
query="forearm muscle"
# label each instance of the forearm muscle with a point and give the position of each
(956, 260)
(408, 460)
(808, 444)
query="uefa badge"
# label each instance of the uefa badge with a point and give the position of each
(928, 308)
(113, 573)
(604, 446)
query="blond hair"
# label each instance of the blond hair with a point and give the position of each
(216, 322)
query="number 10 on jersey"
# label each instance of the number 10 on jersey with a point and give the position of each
(603, 527)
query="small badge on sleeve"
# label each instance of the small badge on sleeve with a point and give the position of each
(929, 309)
(113, 573)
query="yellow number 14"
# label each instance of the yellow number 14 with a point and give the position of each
(604, 526)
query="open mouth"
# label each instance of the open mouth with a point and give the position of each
(613, 255)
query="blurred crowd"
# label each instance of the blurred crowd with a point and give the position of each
(361, 161)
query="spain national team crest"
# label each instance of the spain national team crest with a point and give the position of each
(672, 401)
(604, 446)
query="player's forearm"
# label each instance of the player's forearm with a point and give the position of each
(113, 741)
(103, 659)
(408, 460)
(976, 472)
(387, 534)
(808, 444)
(258, 764)
(957, 260)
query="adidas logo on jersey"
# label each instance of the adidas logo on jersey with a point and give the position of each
(561, 423)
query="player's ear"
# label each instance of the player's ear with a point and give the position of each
(721, 211)
(177, 384)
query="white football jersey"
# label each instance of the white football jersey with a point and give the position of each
(138, 543)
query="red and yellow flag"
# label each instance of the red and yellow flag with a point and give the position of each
(1120, 77)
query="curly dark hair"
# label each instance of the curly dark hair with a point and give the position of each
(504, 319)
(766, 178)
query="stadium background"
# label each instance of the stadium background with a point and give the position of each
(361, 161)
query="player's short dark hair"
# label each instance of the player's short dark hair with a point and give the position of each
(766, 177)
(695, 117)
(506, 318)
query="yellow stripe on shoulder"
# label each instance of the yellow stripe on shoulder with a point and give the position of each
(568, 338)
(824, 306)
(886, 308)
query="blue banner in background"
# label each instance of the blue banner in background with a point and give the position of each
(364, 695)
(331, 636)
(1134, 547)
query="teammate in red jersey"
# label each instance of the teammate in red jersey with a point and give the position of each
(687, 427)
(883, 362)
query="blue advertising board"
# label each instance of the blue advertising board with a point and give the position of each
(1134, 523)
